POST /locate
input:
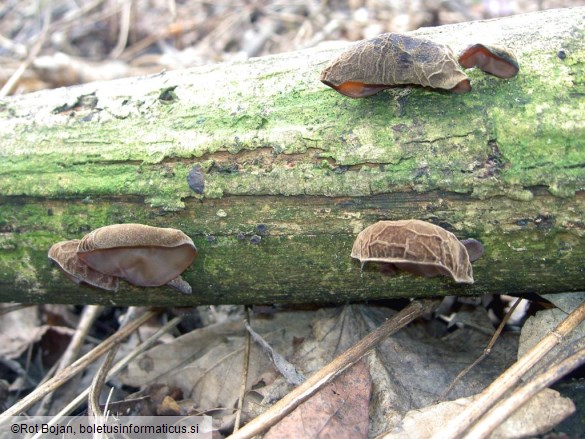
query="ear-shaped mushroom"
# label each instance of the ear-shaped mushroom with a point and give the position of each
(474, 248)
(64, 255)
(143, 255)
(415, 246)
(495, 60)
(393, 59)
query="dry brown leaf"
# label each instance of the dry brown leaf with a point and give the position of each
(207, 363)
(409, 370)
(284, 367)
(339, 410)
(540, 325)
(539, 415)
(18, 329)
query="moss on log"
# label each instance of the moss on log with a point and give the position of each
(304, 168)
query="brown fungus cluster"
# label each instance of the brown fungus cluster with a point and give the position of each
(417, 247)
(495, 60)
(392, 59)
(142, 255)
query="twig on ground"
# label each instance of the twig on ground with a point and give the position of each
(486, 351)
(66, 374)
(124, 30)
(320, 378)
(150, 342)
(34, 51)
(246, 359)
(464, 420)
(522, 395)
(102, 374)
(88, 317)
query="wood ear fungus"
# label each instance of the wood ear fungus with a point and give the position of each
(196, 179)
(391, 60)
(64, 255)
(142, 255)
(495, 60)
(417, 247)
(474, 248)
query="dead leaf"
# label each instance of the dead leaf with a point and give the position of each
(207, 363)
(545, 410)
(540, 325)
(339, 410)
(566, 301)
(18, 329)
(286, 369)
(409, 370)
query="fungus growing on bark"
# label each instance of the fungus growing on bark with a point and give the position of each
(196, 179)
(495, 60)
(391, 60)
(474, 248)
(64, 255)
(143, 255)
(417, 247)
(255, 239)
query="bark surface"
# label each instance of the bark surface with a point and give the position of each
(286, 159)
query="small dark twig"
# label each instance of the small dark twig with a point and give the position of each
(486, 351)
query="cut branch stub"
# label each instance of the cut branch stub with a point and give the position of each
(495, 60)
(417, 247)
(393, 59)
(143, 255)
(64, 255)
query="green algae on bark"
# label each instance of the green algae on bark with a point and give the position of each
(502, 164)
(304, 253)
(501, 137)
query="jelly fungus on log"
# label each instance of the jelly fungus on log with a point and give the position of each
(196, 179)
(495, 60)
(474, 248)
(64, 255)
(417, 247)
(143, 255)
(391, 60)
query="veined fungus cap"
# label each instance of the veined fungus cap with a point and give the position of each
(143, 255)
(64, 255)
(393, 59)
(418, 247)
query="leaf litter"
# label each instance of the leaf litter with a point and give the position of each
(392, 392)
(407, 371)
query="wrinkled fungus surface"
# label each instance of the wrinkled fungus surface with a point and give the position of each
(391, 60)
(64, 255)
(417, 247)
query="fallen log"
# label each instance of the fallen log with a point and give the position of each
(285, 172)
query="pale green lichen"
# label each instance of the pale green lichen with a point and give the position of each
(500, 139)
